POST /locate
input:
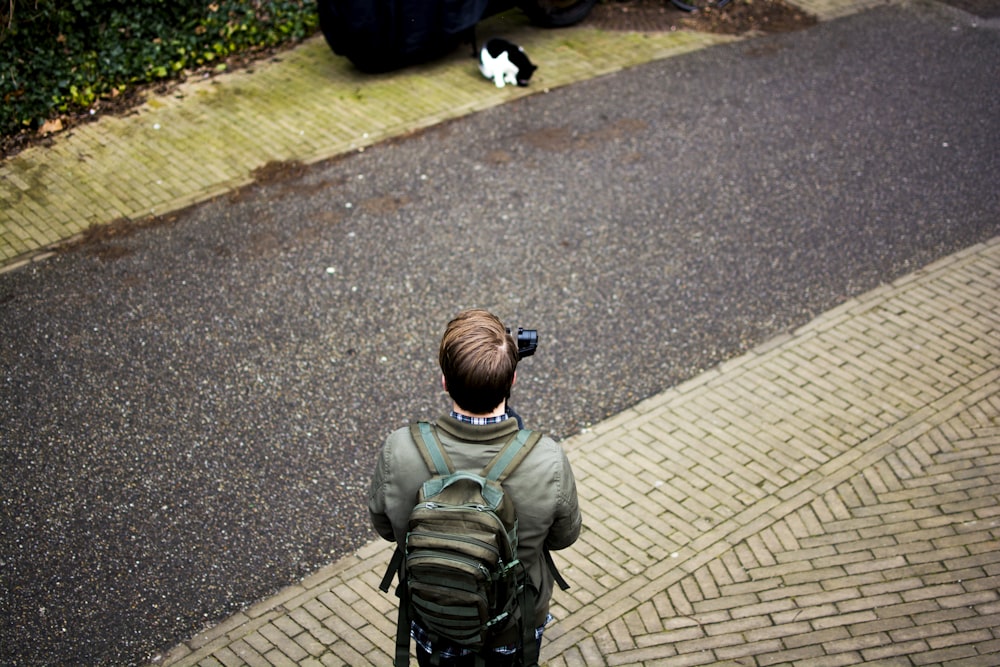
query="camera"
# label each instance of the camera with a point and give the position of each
(527, 342)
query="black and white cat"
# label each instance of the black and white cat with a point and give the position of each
(504, 63)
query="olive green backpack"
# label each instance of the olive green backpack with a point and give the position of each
(460, 578)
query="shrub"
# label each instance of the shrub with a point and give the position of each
(65, 56)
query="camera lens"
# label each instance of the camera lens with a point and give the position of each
(527, 342)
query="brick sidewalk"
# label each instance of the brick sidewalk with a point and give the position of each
(832, 498)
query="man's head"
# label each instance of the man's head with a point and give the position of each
(478, 359)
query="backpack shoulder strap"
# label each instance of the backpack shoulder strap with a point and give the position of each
(504, 463)
(437, 460)
(508, 458)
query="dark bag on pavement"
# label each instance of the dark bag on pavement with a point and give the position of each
(382, 35)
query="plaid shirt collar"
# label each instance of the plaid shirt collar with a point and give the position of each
(479, 421)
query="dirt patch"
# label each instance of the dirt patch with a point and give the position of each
(104, 241)
(984, 9)
(278, 171)
(735, 18)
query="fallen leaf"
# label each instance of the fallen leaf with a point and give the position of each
(51, 126)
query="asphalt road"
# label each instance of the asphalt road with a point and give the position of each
(189, 414)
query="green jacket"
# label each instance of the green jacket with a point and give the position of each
(542, 487)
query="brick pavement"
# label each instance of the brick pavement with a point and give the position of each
(831, 498)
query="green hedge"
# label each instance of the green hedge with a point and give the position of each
(64, 56)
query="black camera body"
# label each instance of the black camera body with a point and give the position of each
(527, 342)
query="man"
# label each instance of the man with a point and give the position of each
(478, 360)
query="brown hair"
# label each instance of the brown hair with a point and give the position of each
(478, 358)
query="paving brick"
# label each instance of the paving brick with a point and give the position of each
(857, 643)
(959, 638)
(912, 547)
(873, 565)
(896, 649)
(807, 574)
(284, 645)
(211, 662)
(762, 608)
(311, 645)
(907, 608)
(708, 643)
(226, 657)
(810, 655)
(287, 625)
(879, 624)
(981, 620)
(800, 613)
(737, 626)
(943, 655)
(968, 599)
(985, 559)
(854, 620)
(250, 655)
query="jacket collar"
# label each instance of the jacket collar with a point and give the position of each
(472, 433)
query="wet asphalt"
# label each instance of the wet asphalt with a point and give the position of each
(189, 412)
